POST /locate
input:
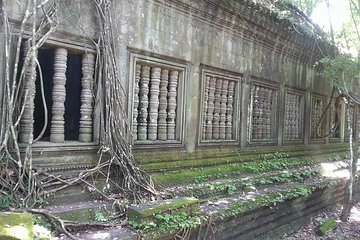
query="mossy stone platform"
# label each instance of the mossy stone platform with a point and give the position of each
(14, 226)
(146, 211)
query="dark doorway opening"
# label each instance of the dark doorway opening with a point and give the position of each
(73, 91)
(46, 60)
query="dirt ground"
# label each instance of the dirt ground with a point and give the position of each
(343, 230)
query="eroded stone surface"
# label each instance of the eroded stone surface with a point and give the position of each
(15, 226)
(146, 211)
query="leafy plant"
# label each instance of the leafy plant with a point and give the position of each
(230, 189)
(200, 179)
(99, 217)
(340, 71)
(166, 222)
(6, 201)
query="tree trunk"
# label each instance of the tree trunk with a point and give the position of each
(349, 191)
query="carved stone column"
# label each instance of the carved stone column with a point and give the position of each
(216, 120)
(136, 100)
(144, 103)
(230, 110)
(268, 109)
(210, 110)
(222, 125)
(27, 118)
(206, 99)
(154, 103)
(256, 131)
(58, 96)
(86, 109)
(172, 94)
(162, 124)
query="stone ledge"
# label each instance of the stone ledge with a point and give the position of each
(16, 226)
(146, 211)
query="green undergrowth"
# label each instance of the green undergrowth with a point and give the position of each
(198, 175)
(273, 198)
(166, 223)
(265, 200)
(215, 161)
(228, 188)
(159, 159)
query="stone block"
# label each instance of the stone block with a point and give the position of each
(146, 211)
(15, 226)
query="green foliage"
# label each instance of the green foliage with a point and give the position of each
(200, 179)
(39, 220)
(6, 201)
(307, 6)
(267, 200)
(167, 222)
(327, 225)
(229, 188)
(99, 217)
(340, 71)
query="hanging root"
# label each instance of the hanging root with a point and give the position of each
(116, 127)
(18, 177)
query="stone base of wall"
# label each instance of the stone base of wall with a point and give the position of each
(286, 217)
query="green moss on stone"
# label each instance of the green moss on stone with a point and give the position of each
(181, 177)
(147, 210)
(16, 226)
(328, 225)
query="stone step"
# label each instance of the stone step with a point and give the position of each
(147, 211)
(85, 211)
(222, 160)
(213, 189)
(144, 156)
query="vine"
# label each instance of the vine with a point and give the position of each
(19, 180)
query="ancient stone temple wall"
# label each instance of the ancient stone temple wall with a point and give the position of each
(198, 75)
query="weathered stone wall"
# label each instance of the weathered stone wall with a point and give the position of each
(204, 35)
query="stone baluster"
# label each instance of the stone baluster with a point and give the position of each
(206, 99)
(297, 117)
(268, 109)
(154, 103)
(136, 100)
(143, 103)
(86, 109)
(287, 116)
(216, 119)
(230, 110)
(58, 96)
(222, 125)
(27, 118)
(172, 94)
(210, 110)
(162, 124)
(256, 113)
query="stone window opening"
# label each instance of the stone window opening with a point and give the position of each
(157, 111)
(335, 119)
(294, 116)
(68, 80)
(219, 112)
(263, 115)
(317, 109)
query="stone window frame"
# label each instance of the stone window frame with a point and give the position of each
(334, 139)
(302, 120)
(274, 86)
(72, 46)
(171, 63)
(319, 97)
(353, 122)
(357, 123)
(223, 74)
